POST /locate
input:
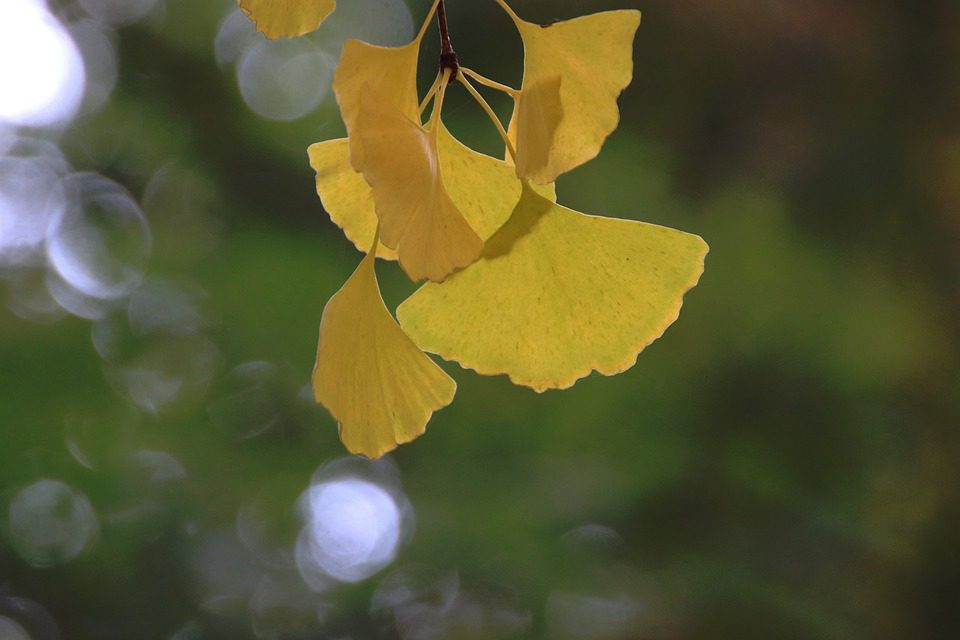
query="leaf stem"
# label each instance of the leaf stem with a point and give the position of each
(430, 93)
(509, 11)
(441, 91)
(426, 21)
(493, 84)
(490, 112)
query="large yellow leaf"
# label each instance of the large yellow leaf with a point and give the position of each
(400, 161)
(484, 189)
(556, 295)
(374, 380)
(593, 58)
(287, 18)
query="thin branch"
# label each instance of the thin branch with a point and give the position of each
(448, 57)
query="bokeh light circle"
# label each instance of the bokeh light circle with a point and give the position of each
(284, 80)
(235, 35)
(96, 44)
(12, 630)
(118, 13)
(31, 197)
(50, 523)
(353, 528)
(386, 23)
(100, 243)
(41, 69)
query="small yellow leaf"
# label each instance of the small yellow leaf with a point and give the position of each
(400, 161)
(345, 195)
(593, 58)
(484, 189)
(371, 377)
(392, 71)
(556, 295)
(287, 18)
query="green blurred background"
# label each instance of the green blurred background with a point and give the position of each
(781, 464)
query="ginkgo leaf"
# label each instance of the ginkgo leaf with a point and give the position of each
(400, 161)
(593, 58)
(345, 195)
(484, 189)
(391, 70)
(371, 377)
(556, 295)
(539, 113)
(287, 18)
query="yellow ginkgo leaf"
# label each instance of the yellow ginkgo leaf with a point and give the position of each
(593, 58)
(556, 295)
(287, 18)
(371, 377)
(392, 71)
(400, 161)
(484, 189)
(539, 113)
(345, 195)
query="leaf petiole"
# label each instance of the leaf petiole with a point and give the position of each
(430, 94)
(492, 115)
(441, 91)
(493, 84)
(507, 8)
(426, 21)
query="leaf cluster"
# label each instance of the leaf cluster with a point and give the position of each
(517, 284)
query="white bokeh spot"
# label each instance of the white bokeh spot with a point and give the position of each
(352, 529)
(41, 69)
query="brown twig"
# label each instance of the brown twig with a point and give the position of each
(448, 57)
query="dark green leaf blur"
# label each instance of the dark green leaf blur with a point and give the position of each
(781, 464)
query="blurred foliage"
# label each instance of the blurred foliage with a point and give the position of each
(782, 463)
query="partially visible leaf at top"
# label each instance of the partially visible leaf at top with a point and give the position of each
(556, 295)
(378, 385)
(287, 18)
(593, 58)
(391, 70)
(400, 161)
(484, 189)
